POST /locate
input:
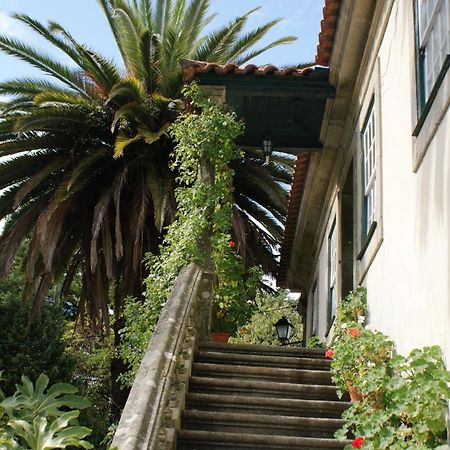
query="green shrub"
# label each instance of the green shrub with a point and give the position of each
(38, 418)
(35, 348)
(270, 308)
(315, 342)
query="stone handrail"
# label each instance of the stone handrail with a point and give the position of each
(150, 405)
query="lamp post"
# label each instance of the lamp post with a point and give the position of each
(267, 148)
(284, 330)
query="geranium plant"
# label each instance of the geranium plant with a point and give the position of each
(402, 400)
(358, 351)
(411, 413)
(352, 308)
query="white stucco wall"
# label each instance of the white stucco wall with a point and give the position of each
(408, 281)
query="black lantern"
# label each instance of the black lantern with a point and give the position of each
(284, 330)
(267, 148)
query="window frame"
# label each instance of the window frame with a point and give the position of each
(369, 160)
(424, 99)
(315, 308)
(368, 238)
(424, 39)
(332, 265)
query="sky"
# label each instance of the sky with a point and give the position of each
(83, 18)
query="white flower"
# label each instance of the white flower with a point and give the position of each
(370, 364)
(361, 319)
(344, 326)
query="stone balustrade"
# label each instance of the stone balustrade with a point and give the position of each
(152, 413)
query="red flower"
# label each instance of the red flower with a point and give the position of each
(231, 244)
(354, 332)
(329, 353)
(358, 442)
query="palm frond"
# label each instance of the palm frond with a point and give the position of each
(30, 86)
(122, 141)
(129, 37)
(253, 54)
(127, 90)
(43, 62)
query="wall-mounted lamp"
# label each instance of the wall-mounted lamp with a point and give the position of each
(284, 330)
(267, 148)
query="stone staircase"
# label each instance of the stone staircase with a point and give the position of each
(260, 397)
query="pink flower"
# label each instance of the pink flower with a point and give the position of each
(329, 353)
(354, 332)
(231, 244)
(358, 442)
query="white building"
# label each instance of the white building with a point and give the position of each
(373, 207)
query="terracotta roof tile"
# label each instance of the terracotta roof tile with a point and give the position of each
(328, 30)
(295, 200)
(191, 69)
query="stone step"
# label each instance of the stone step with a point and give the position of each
(249, 387)
(290, 361)
(212, 440)
(261, 424)
(266, 405)
(269, 350)
(304, 376)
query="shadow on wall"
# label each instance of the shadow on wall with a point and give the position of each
(433, 198)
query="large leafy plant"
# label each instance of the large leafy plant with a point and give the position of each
(403, 400)
(38, 418)
(359, 353)
(412, 411)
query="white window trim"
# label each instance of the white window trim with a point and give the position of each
(437, 23)
(315, 308)
(332, 272)
(369, 149)
(367, 246)
(436, 106)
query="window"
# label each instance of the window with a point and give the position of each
(315, 310)
(433, 29)
(332, 272)
(368, 143)
(368, 173)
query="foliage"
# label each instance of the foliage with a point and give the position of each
(412, 413)
(234, 297)
(315, 342)
(404, 399)
(31, 348)
(91, 355)
(270, 308)
(39, 418)
(359, 354)
(352, 308)
(85, 152)
(205, 135)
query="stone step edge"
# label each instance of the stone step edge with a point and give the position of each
(238, 369)
(277, 360)
(262, 419)
(249, 383)
(283, 402)
(226, 437)
(264, 349)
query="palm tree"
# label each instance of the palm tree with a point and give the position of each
(84, 172)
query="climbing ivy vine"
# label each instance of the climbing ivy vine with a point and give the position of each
(204, 133)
